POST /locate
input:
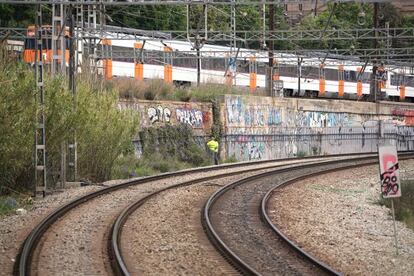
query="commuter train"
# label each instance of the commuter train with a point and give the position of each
(29, 53)
(175, 61)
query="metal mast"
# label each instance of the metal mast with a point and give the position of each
(40, 132)
(58, 39)
(234, 42)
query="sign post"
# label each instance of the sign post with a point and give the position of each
(390, 178)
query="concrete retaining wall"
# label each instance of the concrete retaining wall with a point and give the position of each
(158, 113)
(265, 128)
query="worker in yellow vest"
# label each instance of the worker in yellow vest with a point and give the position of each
(213, 145)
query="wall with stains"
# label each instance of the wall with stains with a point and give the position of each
(158, 113)
(265, 128)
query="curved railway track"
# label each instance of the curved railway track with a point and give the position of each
(236, 222)
(31, 257)
(48, 233)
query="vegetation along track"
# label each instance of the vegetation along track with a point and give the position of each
(71, 239)
(236, 222)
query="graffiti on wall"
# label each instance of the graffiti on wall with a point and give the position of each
(407, 116)
(234, 110)
(192, 117)
(260, 115)
(322, 119)
(249, 151)
(159, 114)
(275, 117)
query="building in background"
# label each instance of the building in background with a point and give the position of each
(406, 7)
(296, 12)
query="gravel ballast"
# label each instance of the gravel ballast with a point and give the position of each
(338, 219)
(15, 228)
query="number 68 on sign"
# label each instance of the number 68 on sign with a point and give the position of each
(389, 172)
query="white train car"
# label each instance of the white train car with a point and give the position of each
(175, 62)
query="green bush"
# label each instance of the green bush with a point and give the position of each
(174, 142)
(103, 132)
(183, 95)
(17, 121)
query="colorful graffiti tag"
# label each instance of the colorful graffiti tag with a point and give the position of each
(159, 114)
(322, 119)
(408, 116)
(240, 114)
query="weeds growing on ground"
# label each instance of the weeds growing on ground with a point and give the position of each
(157, 89)
(404, 205)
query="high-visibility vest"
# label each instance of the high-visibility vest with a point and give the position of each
(213, 145)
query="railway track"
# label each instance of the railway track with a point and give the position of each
(78, 230)
(91, 218)
(126, 264)
(237, 223)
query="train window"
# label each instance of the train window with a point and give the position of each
(395, 79)
(47, 43)
(310, 72)
(410, 81)
(29, 44)
(366, 77)
(331, 74)
(352, 76)
(288, 70)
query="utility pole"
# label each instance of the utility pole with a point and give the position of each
(197, 46)
(234, 44)
(300, 60)
(271, 45)
(374, 83)
(72, 87)
(199, 42)
(58, 39)
(91, 24)
(40, 132)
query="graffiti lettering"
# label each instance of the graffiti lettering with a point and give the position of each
(159, 114)
(408, 116)
(192, 117)
(389, 178)
(234, 109)
(274, 118)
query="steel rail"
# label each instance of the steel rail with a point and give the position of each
(221, 246)
(264, 214)
(24, 257)
(118, 263)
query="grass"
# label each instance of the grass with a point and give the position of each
(404, 205)
(157, 89)
(336, 190)
(12, 201)
(131, 166)
(231, 159)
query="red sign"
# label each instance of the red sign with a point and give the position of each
(389, 173)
